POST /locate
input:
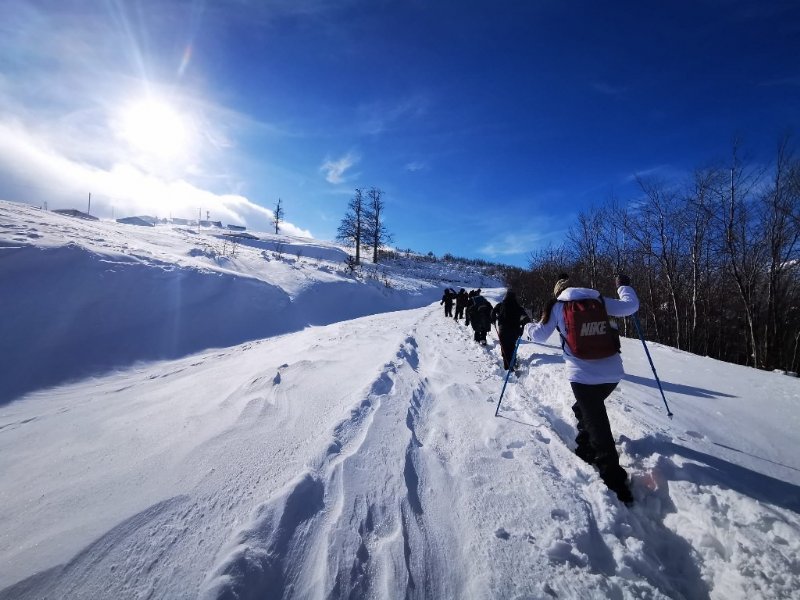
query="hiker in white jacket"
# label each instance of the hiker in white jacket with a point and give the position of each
(592, 380)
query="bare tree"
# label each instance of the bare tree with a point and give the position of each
(743, 249)
(612, 233)
(375, 232)
(351, 230)
(586, 239)
(696, 225)
(278, 215)
(655, 230)
(781, 240)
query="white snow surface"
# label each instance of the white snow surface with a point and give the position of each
(179, 423)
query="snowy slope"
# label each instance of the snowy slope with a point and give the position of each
(88, 297)
(360, 458)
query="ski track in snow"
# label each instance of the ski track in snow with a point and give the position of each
(350, 475)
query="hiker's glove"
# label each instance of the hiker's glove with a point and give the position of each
(621, 279)
(524, 320)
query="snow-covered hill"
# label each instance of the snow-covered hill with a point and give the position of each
(84, 297)
(352, 452)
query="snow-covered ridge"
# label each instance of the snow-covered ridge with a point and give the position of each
(90, 296)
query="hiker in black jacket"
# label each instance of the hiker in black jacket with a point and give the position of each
(447, 299)
(510, 318)
(479, 313)
(461, 303)
(467, 316)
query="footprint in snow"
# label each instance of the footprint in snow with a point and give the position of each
(502, 534)
(507, 454)
(516, 445)
(541, 437)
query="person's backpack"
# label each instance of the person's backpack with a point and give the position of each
(589, 334)
(509, 316)
(481, 315)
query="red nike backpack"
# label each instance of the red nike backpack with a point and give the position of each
(589, 334)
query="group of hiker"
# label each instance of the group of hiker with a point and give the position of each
(590, 346)
(477, 309)
(508, 316)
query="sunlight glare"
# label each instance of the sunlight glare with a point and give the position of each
(154, 127)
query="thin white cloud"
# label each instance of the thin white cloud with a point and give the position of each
(379, 117)
(512, 243)
(665, 171)
(791, 81)
(609, 89)
(335, 170)
(415, 166)
(549, 230)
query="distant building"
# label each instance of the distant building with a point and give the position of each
(177, 221)
(141, 221)
(71, 212)
(242, 235)
(237, 227)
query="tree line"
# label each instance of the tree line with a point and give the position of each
(713, 257)
(363, 226)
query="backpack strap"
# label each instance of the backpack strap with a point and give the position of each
(558, 329)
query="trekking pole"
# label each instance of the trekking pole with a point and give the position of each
(510, 365)
(652, 366)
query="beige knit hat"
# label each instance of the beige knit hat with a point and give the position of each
(561, 285)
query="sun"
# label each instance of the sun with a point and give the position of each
(153, 127)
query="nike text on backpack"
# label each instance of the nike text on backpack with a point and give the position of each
(588, 332)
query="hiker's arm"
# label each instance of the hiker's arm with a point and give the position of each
(627, 304)
(539, 332)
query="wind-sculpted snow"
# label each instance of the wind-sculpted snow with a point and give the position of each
(298, 247)
(367, 535)
(262, 558)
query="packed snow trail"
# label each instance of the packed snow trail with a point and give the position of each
(362, 460)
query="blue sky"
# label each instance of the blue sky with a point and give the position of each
(489, 125)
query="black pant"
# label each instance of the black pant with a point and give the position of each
(448, 309)
(459, 312)
(595, 440)
(507, 343)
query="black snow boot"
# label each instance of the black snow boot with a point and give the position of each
(624, 495)
(586, 454)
